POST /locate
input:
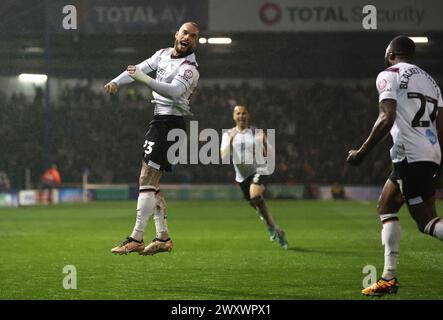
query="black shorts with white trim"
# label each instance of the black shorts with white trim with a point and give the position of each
(417, 180)
(156, 145)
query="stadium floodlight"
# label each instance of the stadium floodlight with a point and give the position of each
(219, 40)
(419, 39)
(203, 40)
(33, 78)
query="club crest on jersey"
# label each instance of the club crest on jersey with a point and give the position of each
(382, 85)
(188, 74)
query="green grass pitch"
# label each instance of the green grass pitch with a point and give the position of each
(222, 251)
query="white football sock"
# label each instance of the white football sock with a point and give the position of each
(160, 216)
(390, 235)
(145, 209)
(437, 225)
(438, 230)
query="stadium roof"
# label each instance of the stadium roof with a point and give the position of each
(24, 48)
(291, 55)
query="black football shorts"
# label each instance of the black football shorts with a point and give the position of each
(252, 179)
(417, 180)
(156, 144)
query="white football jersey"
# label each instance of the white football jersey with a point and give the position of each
(418, 97)
(243, 156)
(177, 71)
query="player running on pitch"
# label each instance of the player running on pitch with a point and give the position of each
(177, 77)
(243, 138)
(409, 107)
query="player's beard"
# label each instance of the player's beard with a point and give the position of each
(188, 50)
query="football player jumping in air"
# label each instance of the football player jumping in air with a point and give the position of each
(177, 77)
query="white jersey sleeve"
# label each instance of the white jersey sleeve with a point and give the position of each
(147, 66)
(185, 80)
(225, 143)
(387, 83)
(187, 75)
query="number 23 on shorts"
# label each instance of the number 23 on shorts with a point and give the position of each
(148, 146)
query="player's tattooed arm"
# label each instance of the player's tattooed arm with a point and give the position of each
(382, 126)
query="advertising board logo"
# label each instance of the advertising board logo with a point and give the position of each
(270, 13)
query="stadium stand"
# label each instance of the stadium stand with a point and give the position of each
(315, 123)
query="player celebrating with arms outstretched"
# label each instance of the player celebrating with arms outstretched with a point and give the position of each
(176, 78)
(410, 105)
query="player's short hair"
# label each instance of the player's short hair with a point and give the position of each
(240, 106)
(194, 24)
(403, 46)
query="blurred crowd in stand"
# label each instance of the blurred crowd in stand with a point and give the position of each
(315, 125)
